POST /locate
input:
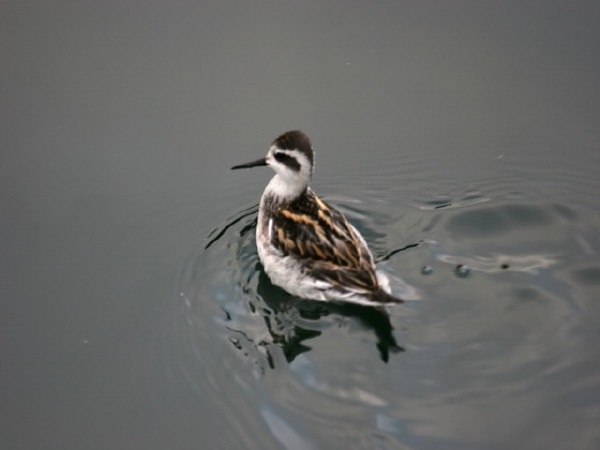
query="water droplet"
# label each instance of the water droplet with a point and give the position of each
(236, 342)
(462, 270)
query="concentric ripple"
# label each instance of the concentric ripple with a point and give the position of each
(508, 274)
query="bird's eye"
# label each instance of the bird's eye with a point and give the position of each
(287, 160)
(282, 157)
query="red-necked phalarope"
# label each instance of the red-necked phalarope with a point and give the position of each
(306, 246)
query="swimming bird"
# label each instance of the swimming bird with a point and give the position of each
(306, 246)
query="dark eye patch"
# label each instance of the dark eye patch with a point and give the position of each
(288, 160)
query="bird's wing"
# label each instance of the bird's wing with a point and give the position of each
(325, 244)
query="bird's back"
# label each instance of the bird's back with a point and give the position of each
(308, 248)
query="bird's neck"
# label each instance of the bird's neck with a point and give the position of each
(285, 191)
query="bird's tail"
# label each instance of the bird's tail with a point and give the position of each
(382, 297)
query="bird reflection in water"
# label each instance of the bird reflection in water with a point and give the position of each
(289, 318)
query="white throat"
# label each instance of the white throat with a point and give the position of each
(285, 189)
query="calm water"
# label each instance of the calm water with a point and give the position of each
(462, 140)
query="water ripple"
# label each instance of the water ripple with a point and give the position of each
(508, 333)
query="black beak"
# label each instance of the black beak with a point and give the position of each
(258, 162)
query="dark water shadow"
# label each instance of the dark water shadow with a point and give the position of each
(288, 320)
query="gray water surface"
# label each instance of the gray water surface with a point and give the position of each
(461, 138)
